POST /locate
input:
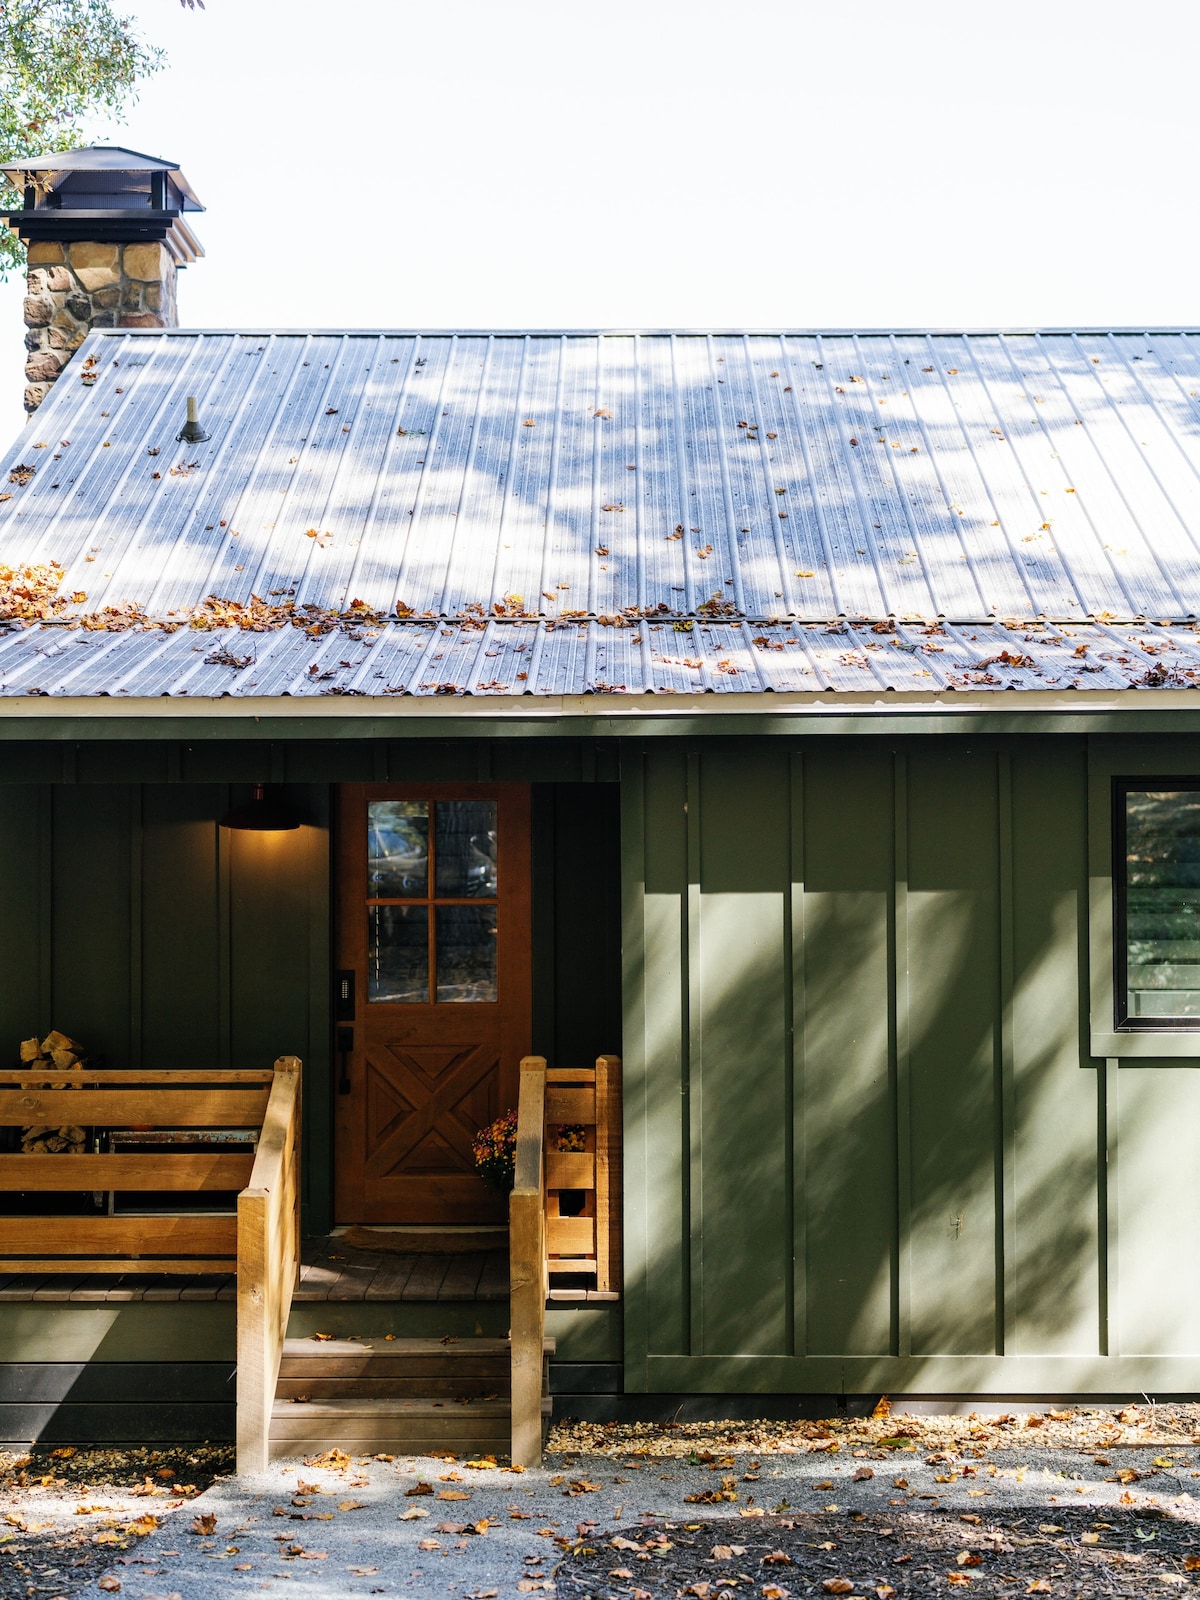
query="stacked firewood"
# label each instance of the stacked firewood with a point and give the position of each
(57, 1054)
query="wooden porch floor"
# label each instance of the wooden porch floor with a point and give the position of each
(331, 1270)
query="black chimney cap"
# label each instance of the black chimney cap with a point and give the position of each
(104, 192)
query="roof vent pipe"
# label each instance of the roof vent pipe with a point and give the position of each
(191, 432)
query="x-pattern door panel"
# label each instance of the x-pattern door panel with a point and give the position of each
(434, 921)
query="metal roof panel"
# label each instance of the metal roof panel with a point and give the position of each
(780, 480)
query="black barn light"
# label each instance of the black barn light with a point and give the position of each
(264, 812)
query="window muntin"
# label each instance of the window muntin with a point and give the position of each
(432, 902)
(1156, 878)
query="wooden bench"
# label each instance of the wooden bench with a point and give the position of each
(260, 1241)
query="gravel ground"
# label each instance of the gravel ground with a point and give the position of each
(1085, 1504)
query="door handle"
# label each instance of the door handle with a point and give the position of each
(345, 1045)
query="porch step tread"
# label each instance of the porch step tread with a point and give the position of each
(409, 1406)
(380, 1345)
(296, 1386)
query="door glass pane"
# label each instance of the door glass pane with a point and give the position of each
(397, 848)
(1162, 903)
(466, 952)
(466, 849)
(398, 954)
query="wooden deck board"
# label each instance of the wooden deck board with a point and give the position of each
(493, 1281)
(462, 1277)
(358, 1272)
(390, 1281)
(427, 1278)
(329, 1271)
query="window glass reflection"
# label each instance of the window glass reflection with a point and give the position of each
(398, 954)
(1162, 904)
(466, 953)
(397, 847)
(466, 849)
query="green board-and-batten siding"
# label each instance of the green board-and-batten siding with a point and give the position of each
(867, 1145)
(136, 924)
(868, 1148)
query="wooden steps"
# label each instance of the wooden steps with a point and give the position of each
(400, 1396)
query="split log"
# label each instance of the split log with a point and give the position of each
(57, 1053)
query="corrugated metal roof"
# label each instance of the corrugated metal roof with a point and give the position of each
(558, 513)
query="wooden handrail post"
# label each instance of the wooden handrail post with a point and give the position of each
(268, 1247)
(608, 1173)
(527, 1266)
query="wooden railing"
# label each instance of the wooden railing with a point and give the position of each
(583, 1186)
(268, 1264)
(163, 1241)
(261, 1242)
(527, 1266)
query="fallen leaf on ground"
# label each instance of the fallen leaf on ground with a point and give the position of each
(453, 1494)
(837, 1586)
(204, 1524)
(109, 1584)
(351, 1505)
(419, 1488)
(863, 1473)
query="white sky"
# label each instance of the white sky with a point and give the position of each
(639, 163)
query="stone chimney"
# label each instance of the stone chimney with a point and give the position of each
(106, 238)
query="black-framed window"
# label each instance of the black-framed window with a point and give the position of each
(1156, 904)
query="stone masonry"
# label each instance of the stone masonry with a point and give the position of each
(72, 288)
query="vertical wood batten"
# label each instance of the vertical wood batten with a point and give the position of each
(901, 1056)
(222, 886)
(797, 1166)
(692, 1099)
(1006, 1158)
(43, 828)
(137, 836)
(1111, 1300)
(1108, 1081)
(636, 1108)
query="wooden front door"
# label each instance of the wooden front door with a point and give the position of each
(433, 951)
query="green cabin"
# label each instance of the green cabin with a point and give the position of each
(808, 720)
